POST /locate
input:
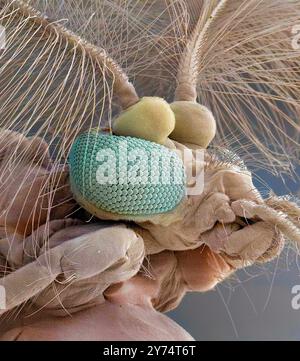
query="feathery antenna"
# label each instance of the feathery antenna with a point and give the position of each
(240, 63)
(122, 87)
(188, 72)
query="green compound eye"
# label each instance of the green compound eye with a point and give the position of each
(125, 175)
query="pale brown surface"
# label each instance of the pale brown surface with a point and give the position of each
(195, 252)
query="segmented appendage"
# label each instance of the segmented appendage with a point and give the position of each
(239, 62)
(55, 85)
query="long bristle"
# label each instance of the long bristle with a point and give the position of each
(239, 61)
(54, 84)
(144, 37)
(52, 81)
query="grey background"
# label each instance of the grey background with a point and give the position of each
(255, 305)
